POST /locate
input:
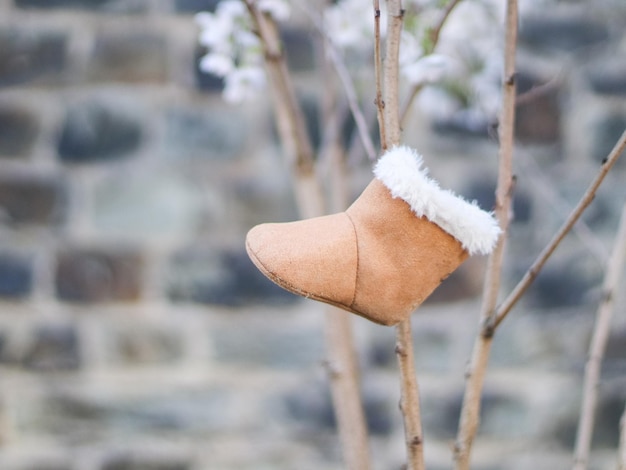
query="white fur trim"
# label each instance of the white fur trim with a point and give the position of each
(401, 170)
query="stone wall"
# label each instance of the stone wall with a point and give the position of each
(136, 335)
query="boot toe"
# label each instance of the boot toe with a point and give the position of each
(313, 258)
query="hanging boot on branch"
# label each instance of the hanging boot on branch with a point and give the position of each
(386, 253)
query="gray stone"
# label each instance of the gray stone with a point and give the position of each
(465, 124)
(147, 204)
(538, 114)
(129, 57)
(606, 131)
(31, 56)
(18, 131)
(195, 6)
(562, 284)
(299, 49)
(205, 133)
(148, 345)
(89, 275)
(94, 131)
(608, 81)
(560, 32)
(483, 191)
(133, 462)
(32, 200)
(222, 278)
(53, 347)
(258, 343)
(16, 276)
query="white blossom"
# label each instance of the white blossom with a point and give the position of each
(279, 9)
(217, 64)
(243, 84)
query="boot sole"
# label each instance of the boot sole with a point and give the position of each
(294, 290)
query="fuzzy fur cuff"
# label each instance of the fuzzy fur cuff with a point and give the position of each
(401, 170)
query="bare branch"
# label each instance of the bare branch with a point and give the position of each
(470, 411)
(537, 265)
(343, 374)
(409, 399)
(380, 104)
(621, 452)
(598, 345)
(395, 16)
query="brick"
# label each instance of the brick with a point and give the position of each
(221, 278)
(53, 347)
(145, 463)
(129, 57)
(609, 81)
(537, 120)
(205, 133)
(117, 6)
(31, 56)
(16, 276)
(483, 191)
(258, 343)
(299, 49)
(562, 284)
(96, 131)
(99, 276)
(147, 345)
(195, 6)
(560, 32)
(606, 130)
(18, 131)
(32, 200)
(464, 124)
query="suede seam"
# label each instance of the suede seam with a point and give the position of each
(356, 274)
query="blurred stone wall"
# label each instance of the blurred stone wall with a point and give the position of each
(136, 335)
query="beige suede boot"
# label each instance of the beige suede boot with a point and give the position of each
(386, 253)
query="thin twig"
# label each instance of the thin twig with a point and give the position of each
(343, 371)
(621, 451)
(470, 411)
(598, 345)
(409, 401)
(378, 72)
(395, 17)
(537, 265)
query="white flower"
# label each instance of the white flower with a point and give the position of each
(243, 83)
(215, 31)
(279, 9)
(430, 69)
(350, 24)
(230, 9)
(217, 64)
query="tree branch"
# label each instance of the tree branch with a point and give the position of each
(395, 16)
(390, 122)
(343, 374)
(598, 345)
(621, 452)
(380, 104)
(537, 265)
(470, 411)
